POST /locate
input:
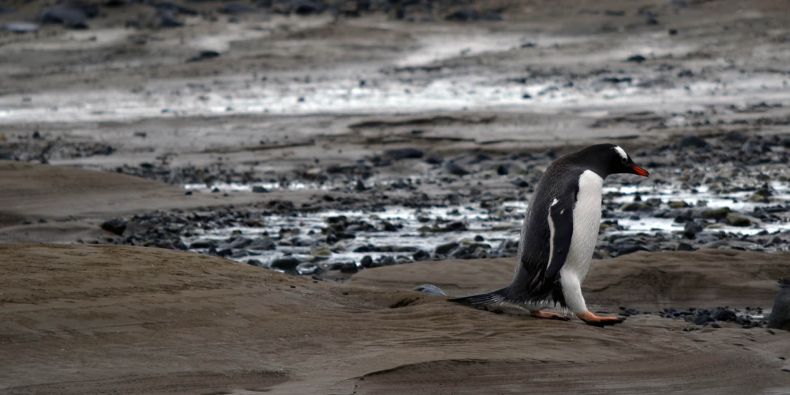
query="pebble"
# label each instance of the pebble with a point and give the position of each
(445, 249)
(286, 263)
(455, 169)
(736, 219)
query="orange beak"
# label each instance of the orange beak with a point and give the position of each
(639, 171)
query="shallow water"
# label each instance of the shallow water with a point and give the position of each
(492, 227)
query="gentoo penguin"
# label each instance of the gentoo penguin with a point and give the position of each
(559, 235)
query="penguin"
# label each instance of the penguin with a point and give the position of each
(559, 235)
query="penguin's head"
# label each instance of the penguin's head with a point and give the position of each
(608, 159)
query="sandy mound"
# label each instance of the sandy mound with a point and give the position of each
(81, 319)
(62, 204)
(706, 278)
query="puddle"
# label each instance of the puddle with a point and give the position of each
(409, 227)
(433, 49)
(343, 94)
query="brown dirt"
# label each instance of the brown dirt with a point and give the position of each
(86, 319)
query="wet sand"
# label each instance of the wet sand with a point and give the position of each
(295, 98)
(130, 319)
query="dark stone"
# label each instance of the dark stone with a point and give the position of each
(685, 247)
(259, 189)
(204, 55)
(780, 314)
(636, 58)
(455, 169)
(456, 226)
(434, 160)
(240, 242)
(724, 314)
(298, 7)
(736, 219)
(403, 153)
(116, 226)
(692, 141)
(702, 318)
(288, 264)
(203, 244)
(168, 19)
(67, 15)
(236, 8)
(349, 267)
(716, 213)
(503, 169)
(262, 244)
(255, 262)
(421, 255)
(691, 229)
(366, 261)
(520, 183)
(470, 14)
(444, 249)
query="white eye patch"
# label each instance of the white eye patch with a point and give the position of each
(621, 151)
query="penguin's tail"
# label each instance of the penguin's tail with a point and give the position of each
(483, 301)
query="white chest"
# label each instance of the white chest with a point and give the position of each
(586, 223)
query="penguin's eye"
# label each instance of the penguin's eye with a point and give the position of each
(624, 160)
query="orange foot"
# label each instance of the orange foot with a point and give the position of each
(548, 315)
(591, 319)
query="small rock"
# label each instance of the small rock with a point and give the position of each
(421, 255)
(520, 183)
(71, 17)
(636, 206)
(204, 55)
(444, 249)
(677, 204)
(716, 213)
(692, 141)
(636, 59)
(455, 169)
(202, 244)
(471, 14)
(736, 219)
(403, 153)
(259, 189)
(116, 226)
(685, 247)
(367, 261)
(240, 242)
(288, 264)
(235, 8)
(349, 267)
(262, 244)
(255, 262)
(691, 229)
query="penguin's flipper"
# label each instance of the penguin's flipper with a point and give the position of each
(483, 301)
(561, 232)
